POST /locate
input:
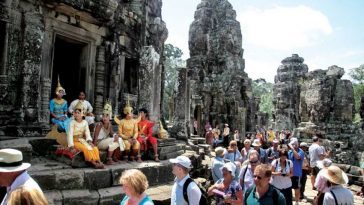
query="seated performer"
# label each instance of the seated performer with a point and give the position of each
(87, 108)
(128, 131)
(145, 137)
(77, 132)
(58, 108)
(104, 137)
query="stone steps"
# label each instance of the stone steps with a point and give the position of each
(54, 175)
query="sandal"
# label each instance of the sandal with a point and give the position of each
(156, 158)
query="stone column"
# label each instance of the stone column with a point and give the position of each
(44, 112)
(150, 83)
(99, 80)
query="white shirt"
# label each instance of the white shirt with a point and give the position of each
(87, 108)
(315, 151)
(193, 192)
(344, 196)
(22, 180)
(248, 180)
(282, 182)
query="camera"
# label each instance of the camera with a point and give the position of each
(284, 174)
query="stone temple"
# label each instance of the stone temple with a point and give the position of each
(110, 49)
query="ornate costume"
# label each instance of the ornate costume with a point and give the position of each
(58, 109)
(79, 136)
(87, 109)
(128, 131)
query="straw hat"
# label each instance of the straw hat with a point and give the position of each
(256, 143)
(11, 160)
(335, 175)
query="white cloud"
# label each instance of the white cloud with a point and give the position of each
(284, 28)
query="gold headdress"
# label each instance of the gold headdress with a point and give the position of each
(59, 88)
(79, 106)
(107, 108)
(128, 109)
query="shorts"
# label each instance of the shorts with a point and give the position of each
(315, 171)
(296, 182)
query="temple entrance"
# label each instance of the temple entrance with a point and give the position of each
(70, 63)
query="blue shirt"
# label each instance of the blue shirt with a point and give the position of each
(297, 164)
(216, 168)
(146, 201)
(233, 156)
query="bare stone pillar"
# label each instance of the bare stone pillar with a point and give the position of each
(150, 83)
(44, 113)
(99, 80)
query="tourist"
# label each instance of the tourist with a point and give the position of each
(263, 155)
(282, 170)
(232, 153)
(321, 183)
(209, 137)
(337, 193)
(217, 163)
(225, 135)
(86, 106)
(58, 109)
(79, 138)
(180, 168)
(273, 152)
(27, 196)
(13, 173)
(262, 192)
(245, 150)
(128, 131)
(271, 136)
(236, 136)
(105, 139)
(305, 169)
(195, 127)
(207, 127)
(296, 155)
(316, 153)
(227, 190)
(246, 175)
(145, 137)
(134, 184)
(216, 133)
(282, 137)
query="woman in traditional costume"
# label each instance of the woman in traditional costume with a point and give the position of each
(128, 131)
(79, 137)
(58, 109)
(104, 137)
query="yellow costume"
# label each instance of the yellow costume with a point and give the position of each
(79, 136)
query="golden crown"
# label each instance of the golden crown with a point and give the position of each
(59, 88)
(128, 109)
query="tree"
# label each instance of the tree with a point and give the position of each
(264, 90)
(357, 74)
(172, 61)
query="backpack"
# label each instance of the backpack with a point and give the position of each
(274, 197)
(203, 199)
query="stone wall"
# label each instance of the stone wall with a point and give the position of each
(217, 82)
(112, 33)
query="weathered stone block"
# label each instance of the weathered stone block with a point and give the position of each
(80, 197)
(97, 178)
(45, 179)
(118, 170)
(111, 196)
(69, 179)
(54, 197)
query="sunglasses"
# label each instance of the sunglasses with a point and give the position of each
(233, 145)
(258, 177)
(254, 162)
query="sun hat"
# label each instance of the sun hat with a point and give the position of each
(11, 160)
(324, 163)
(230, 166)
(183, 161)
(293, 141)
(227, 125)
(256, 143)
(220, 151)
(335, 175)
(303, 144)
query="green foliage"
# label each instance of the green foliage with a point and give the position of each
(172, 61)
(357, 74)
(264, 90)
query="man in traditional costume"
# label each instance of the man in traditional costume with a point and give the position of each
(128, 131)
(79, 138)
(87, 108)
(58, 108)
(104, 137)
(145, 137)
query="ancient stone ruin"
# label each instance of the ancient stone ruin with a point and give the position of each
(110, 49)
(214, 86)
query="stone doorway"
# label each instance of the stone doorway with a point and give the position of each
(70, 63)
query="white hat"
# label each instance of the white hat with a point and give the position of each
(11, 160)
(182, 160)
(256, 143)
(303, 144)
(230, 166)
(324, 163)
(275, 141)
(335, 175)
(293, 141)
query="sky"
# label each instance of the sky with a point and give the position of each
(323, 32)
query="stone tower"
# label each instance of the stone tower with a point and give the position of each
(217, 82)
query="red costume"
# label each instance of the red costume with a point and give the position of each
(145, 128)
